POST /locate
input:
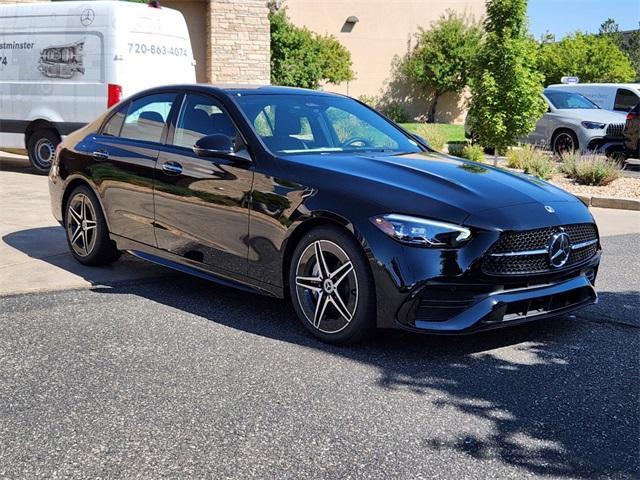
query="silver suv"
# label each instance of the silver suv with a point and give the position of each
(573, 122)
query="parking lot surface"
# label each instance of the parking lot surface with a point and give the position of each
(159, 374)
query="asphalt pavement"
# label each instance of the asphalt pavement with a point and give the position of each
(172, 376)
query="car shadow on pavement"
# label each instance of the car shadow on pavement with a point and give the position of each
(49, 245)
(557, 397)
(17, 164)
(567, 386)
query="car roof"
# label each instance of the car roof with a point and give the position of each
(556, 90)
(240, 89)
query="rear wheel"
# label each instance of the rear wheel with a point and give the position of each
(86, 228)
(331, 286)
(41, 146)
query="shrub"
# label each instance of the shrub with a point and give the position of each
(432, 134)
(465, 150)
(370, 100)
(540, 166)
(301, 58)
(519, 157)
(396, 113)
(590, 169)
(473, 152)
(456, 148)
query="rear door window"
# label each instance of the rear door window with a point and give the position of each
(625, 100)
(114, 125)
(201, 116)
(147, 117)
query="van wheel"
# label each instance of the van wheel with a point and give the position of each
(41, 147)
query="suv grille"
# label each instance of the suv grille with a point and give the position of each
(520, 253)
(615, 129)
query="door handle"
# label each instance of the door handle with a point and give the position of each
(172, 168)
(100, 155)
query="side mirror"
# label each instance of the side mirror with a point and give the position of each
(214, 146)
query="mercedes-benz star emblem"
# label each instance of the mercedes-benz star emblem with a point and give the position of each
(559, 249)
(549, 209)
(87, 16)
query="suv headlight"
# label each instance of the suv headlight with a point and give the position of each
(421, 232)
(593, 125)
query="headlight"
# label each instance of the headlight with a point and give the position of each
(420, 231)
(593, 125)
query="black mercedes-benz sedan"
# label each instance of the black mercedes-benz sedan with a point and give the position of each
(318, 198)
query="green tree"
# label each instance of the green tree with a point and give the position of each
(633, 50)
(505, 85)
(593, 58)
(611, 29)
(301, 58)
(442, 57)
(630, 46)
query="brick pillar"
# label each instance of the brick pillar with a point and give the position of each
(238, 41)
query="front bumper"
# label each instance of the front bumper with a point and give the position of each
(606, 145)
(458, 308)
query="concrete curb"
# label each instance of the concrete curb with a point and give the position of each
(611, 202)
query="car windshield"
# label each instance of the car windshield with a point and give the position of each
(569, 100)
(301, 124)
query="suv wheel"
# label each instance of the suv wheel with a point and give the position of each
(331, 286)
(564, 141)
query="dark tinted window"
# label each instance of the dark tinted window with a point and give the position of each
(201, 116)
(625, 100)
(147, 116)
(114, 125)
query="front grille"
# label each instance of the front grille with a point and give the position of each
(520, 253)
(615, 130)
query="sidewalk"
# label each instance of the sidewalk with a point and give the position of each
(33, 249)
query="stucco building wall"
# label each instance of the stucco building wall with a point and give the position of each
(384, 32)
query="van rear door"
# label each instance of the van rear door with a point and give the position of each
(153, 49)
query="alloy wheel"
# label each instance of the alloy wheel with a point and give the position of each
(82, 225)
(564, 144)
(326, 286)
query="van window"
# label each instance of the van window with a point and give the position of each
(114, 125)
(147, 117)
(201, 116)
(625, 100)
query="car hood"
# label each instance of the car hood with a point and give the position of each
(593, 115)
(426, 184)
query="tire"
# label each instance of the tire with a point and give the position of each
(86, 229)
(334, 300)
(41, 146)
(564, 141)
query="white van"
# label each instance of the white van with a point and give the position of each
(63, 63)
(620, 97)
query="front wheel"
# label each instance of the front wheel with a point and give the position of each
(564, 142)
(86, 228)
(331, 286)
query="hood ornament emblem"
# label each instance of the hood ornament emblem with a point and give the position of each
(559, 249)
(549, 209)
